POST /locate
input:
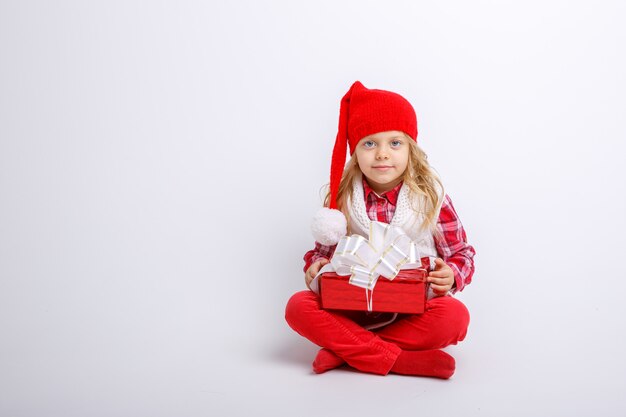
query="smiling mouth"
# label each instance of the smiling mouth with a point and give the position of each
(383, 167)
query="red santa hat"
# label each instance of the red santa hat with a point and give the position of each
(363, 112)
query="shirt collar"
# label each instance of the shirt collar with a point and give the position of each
(391, 195)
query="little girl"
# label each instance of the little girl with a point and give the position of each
(387, 179)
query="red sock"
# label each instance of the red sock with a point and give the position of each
(326, 360)
(436, 363)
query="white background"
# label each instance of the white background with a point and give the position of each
(160, 163)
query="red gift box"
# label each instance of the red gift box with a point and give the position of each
(406, 293)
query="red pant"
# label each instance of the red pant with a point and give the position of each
(443, 323)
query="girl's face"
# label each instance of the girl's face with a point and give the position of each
(383, 158)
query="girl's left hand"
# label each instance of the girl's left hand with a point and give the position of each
(441, 279)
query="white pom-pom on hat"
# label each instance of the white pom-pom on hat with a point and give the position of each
(329, 226)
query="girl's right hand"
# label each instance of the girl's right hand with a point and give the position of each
(313, 270)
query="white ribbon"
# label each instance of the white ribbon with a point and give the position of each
(387, 251)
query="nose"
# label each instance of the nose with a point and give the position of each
(382, 154)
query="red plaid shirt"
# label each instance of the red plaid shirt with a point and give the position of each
(451, 243)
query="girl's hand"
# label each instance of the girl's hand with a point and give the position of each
(441, 279)
(313, 270)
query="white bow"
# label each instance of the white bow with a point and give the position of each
(387, 251)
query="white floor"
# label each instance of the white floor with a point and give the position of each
(519, 359)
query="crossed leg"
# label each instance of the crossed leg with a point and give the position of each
(411, 345)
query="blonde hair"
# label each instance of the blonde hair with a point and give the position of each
(419, 177)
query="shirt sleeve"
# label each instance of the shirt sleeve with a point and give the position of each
(320, 251)
(452, 246)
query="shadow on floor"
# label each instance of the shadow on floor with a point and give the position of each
(297, 352)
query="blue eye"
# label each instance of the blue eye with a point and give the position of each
(396, 143)
(369, 144)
